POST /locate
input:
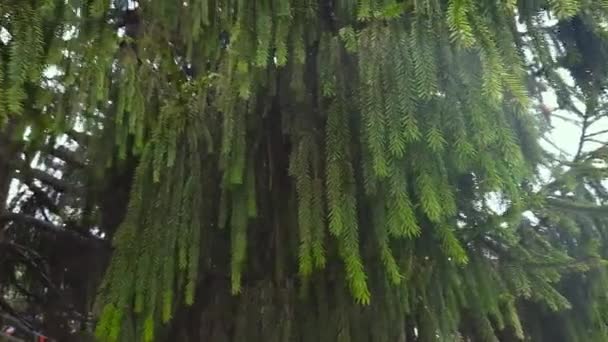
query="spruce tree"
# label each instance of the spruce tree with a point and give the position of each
(324, 170)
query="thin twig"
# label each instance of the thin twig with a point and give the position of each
(566, 119)
(554, 145)
(596, 141)
(581, 142)
(596, 133)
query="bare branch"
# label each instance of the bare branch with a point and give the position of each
(596, 141)
(33, 261)
(27, 219)
(590, 135)
(78, 137)
(46, 227)
(554, 145)
(58, 184)
(68, 156)
(42, 197)
(571, 107)
(14, 316)
(567, 119)
(581, 142)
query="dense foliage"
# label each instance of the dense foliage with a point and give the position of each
(311, 170)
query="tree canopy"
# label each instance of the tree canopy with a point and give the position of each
(300, 170)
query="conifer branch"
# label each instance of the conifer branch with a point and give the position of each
(578, 207)
(68, 156)
(45, 226)
(404, 98)
(79, 137)
(57, 184)
(43, 197)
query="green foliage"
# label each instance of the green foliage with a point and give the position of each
(349, 150)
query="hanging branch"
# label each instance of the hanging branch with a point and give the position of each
(589, 208)
(68, 156)
(42, 197)
(27, 173)
(79, 137)
(46, 227)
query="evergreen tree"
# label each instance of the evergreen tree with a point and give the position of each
(324, 170)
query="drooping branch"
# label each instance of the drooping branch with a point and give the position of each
(31, 220)
(79, 137)
(45, 226)
(566, 119)
(33, 262)
(27, 173)
(14, 315)
(578, 207)
(68, 156)
(42, 197)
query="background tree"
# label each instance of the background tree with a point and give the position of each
(313, 170)
(61, 211)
